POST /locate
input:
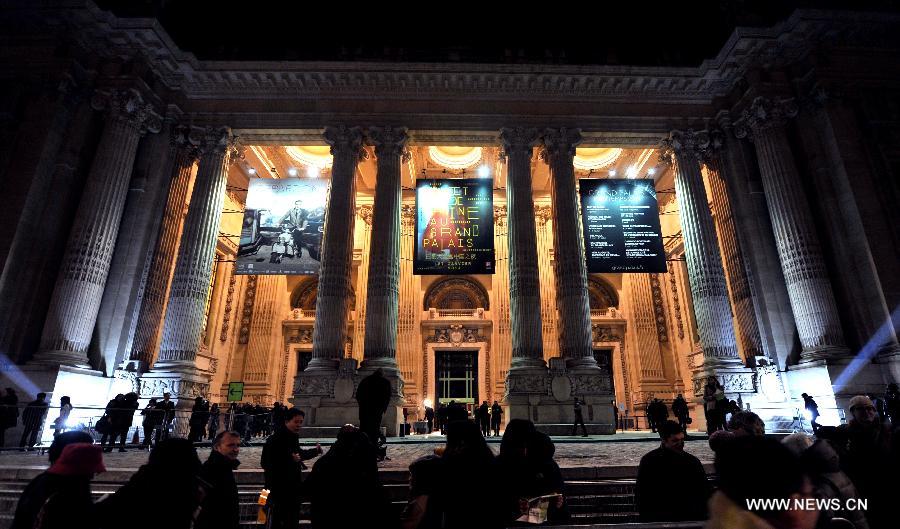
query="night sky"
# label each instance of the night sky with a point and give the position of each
(674, 33)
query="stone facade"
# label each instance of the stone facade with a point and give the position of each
(780, 186)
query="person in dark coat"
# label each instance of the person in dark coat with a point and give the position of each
(456, 412)
(810, 404)
(484, 418)
(373, 395)
(429, 418)
(282, 463)
(579, 419)
(152, 418)
(9, 413)
(197, 422)
(680, 410)
(63, 493)
(348, 470)
(671, 483)
(167, 413)
(220, 506)
(496, 418)
(442, 417)
(168, 483)
(32, 419)
(213, 423)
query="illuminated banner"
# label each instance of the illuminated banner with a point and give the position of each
(282, 229)
(454, 226)
(621, 226)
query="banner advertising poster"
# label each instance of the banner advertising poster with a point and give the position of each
(621, 226)
(454, 226)
(283, 224)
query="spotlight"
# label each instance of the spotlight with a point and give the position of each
(631, 172)
(426, 402)
(251, 170)
(612, 172)
(292, 171)
(312, 171)
(651, 171)
(484, 171)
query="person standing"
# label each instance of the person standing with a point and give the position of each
(197, 420)
(496, 418)
(429, 418)
(65, 408)
(282, 463)
(167, 413)
(484, 418)
(711, 408)
(579, 419)
(213, 425)
(373, 396)
(659, 497)
(152, 418)
(296, 219)
(219, 508)
(32, 419)
(813, 410)
(681, 412)
(442, 417)
(9, 413)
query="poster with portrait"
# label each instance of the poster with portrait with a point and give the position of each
(620, 218)
(283, 224)
(454, 226)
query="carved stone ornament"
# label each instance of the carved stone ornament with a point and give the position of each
(527, 384)
(129, 107)
(591, 384)
(518, 140)
(131, 377)
(734, 382)
(542, 214)
(317, 385)
(683, 144)
(764, 113)
(389, 141)
(558, 143)
(179, 389)
(343, 139)
(561, 388)
(365, 212)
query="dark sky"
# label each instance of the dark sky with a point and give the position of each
(673, 33)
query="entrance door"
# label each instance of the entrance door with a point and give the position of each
(604, 358)
(457, 377)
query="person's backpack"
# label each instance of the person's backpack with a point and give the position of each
(103, 425)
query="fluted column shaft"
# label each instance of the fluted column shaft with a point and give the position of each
(571, 275)
(809, 288)
(701, 249)
(267, 315)
(332, 304)
(186, 308)
(383, 294)
(738, 279)
(149, 320)
(640, 304)
(524, 281)
(85, 265)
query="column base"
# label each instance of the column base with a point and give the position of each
(62, 358)
(823, 353)
(323, 364)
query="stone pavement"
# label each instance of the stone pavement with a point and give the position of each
(595, 451)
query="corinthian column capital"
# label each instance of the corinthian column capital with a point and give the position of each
(127, 106)
(388, 141)
(557, 143)
(764, 113)
(684, 145)
(343, 139)
(518, 140)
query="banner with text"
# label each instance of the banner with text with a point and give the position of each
(454, 226)
(283, 224)
(621, 226)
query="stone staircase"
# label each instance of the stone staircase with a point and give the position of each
(602, 495)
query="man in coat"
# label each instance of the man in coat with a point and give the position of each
(373, 396)
(282, 463)
(671, 483)
(32, 419)
(219, 509)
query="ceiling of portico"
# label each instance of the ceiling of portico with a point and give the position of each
(280, 161)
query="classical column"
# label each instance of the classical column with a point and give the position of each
(701, 249)
(524, 283)
(383, 294)
(85, 265)
(571, 276)
(643, 327)
(149, 319)
(739, 281)
(264, 345)
(186, 308)
(337, 249)
(809, 288)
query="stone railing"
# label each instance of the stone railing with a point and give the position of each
(475, 314)
(609, 312)
(303, 314)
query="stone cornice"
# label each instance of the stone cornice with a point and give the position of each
(304, 83)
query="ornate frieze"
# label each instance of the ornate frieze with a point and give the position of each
(676, 305)
(179, 389)
(658, 308)
(226, 311)
(247, 311)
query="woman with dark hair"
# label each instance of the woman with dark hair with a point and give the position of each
(168, 482)
(528, 470)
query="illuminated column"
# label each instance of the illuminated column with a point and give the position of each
(571, 276)
(742, 296)
(85, 265)
(382, 296)
(644, 327)
(809, 288)
(149, 320)
(186, 308)
(701, 250)
(264, 344)
(524, 282)
(337, 250)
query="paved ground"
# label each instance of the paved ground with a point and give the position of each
(595, 451)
